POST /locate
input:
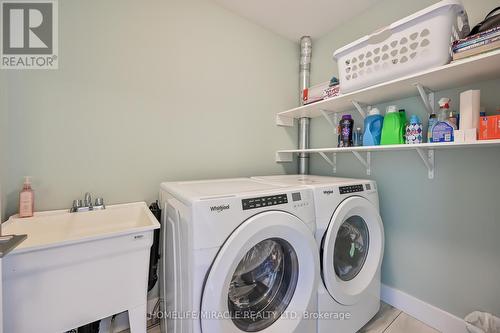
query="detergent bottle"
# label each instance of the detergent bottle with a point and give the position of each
(393, 127)
(373, 128)
(414, 131)
(346, 131)
(402, 114)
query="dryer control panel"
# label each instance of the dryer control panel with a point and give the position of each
(259, 202)
(351, 189)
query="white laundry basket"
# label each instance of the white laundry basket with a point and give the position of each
(415, 43)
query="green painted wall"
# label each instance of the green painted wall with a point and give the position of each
(442, 235)
(3, 143)
(147, 93)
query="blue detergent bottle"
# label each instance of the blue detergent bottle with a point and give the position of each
(373, 128)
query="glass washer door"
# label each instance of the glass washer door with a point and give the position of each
(352, 249)
(266, 270)
(263, 284)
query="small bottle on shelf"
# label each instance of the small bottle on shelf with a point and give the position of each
(346, 131)
(357, 138)
(414, 130)
(26, 199)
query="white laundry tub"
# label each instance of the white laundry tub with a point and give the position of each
(77, 268)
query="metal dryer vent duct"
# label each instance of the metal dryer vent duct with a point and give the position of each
(304, 123)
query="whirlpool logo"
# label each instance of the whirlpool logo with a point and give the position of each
(219, 208)
(29, 34)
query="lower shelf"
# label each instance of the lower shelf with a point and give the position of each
(424, 150)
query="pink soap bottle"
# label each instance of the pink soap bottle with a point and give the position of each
(26, 199)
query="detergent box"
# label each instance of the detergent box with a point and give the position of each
(489, 128)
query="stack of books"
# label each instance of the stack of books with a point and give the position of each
(479, 43)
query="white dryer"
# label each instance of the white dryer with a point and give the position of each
(239, 256)
(350, 239)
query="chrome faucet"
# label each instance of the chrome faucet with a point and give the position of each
(88, 200)
(87, 205)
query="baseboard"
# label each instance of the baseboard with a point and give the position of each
(429, 314)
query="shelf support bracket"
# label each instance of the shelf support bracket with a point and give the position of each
(326, 115)
(332, 123)
(284, 121)
(362, 109)
(427, 97)
(332, 162)
(283, 157)
(366, 162)
(428, 159)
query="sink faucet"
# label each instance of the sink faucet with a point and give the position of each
(87, 204)
(88, 200)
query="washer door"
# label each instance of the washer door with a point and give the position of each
(265, 274)
(352, 249)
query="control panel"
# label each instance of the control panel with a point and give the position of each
(259, 202)
(351, 189)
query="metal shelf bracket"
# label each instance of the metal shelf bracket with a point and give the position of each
(332, 162)
(366, 162)
(427, 156)
(284, 121)
(362, 108)
(427, 97)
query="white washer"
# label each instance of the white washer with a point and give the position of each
(350, 237)
(240, 256)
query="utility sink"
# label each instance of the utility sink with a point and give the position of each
(76, 268)
(56, 228)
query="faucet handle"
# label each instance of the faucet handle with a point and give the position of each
(99, 202)
(77, 204)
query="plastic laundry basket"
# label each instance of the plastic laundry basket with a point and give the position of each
(415, 43)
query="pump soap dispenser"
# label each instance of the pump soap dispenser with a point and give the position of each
(26, 199)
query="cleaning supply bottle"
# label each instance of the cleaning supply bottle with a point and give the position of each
(373, 128)
(402, 114)
(26, 199)
(392, 130)
(443, 129)
(432, 121)
(453, 117)
(414, 130)
(345, 128)
(357, 139)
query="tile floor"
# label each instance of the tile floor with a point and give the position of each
(388, 320)
(155, 329)
(392, 320)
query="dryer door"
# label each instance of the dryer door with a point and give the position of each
(352, 249)
(265, 274)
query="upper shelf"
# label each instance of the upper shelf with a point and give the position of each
(458, 73)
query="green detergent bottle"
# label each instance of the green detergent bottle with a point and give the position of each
(404, 122)
(393, 128)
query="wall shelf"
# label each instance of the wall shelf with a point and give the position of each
(482, 67)
(426, 151)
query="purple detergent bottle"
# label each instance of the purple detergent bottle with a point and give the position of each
(346, 126)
